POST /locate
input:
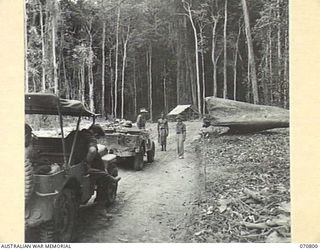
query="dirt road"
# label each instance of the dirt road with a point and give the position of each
(153, 205)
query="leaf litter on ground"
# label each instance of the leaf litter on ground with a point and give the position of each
(247, 195)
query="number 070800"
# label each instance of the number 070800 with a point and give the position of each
(308, 245)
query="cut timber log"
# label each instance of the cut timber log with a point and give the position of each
(242, 117)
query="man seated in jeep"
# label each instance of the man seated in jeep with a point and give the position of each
(86, 149)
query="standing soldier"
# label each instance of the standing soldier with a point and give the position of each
(163, 132)
(181, 136)
(141, 119)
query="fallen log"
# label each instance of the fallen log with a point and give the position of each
(242, 117)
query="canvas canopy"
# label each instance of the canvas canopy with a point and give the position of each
(180, 109)
(47, 103)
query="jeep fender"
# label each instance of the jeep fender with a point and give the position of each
(40, 209)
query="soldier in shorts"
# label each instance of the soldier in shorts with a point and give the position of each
(181, 136)
(163, 132)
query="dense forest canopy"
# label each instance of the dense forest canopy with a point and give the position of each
(120, 55)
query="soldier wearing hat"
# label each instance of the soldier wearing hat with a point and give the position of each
(181, 136)
(141, 119)
(163, 132)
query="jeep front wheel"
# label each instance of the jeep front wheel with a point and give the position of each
(138, 162)
(62, 227)
(111, 194)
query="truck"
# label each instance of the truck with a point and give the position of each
(129, 144)
(55, 185)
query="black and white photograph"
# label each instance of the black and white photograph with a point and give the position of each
(156, 121)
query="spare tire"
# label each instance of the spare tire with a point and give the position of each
(28, 180)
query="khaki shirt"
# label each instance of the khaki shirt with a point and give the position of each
(181, 128)
(162, 124)
(141, 122)
(85, 140)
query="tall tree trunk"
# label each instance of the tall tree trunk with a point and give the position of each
(188, 91)
(148, 79)
(250, 54)
(26, 66)
(62, 83)
(265, 69)
(203, 85)
(280, 82)
(54, 60)
(91, 93)
(124, 60)
(286, 65)
(179, 56)
(188, 9)
(135, 87)
(48, 49)
(225, 86)
(73, 88)
(82, 87)
(103, 109)
(264, 80)
(235, 65)
(79, 84)
(43, 65)
(188, 88)
(90, 72)
(150, 82)
(68, 91)
(116, 65)
(270, 64)
(165, 104)
(248, 81)
(111, 84)
(203, 73)
(213, 58)
(89, 85)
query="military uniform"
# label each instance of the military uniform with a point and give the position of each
(86, 149)
(163, 131)
(141, 122)
(181, 137)
(85, 141)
